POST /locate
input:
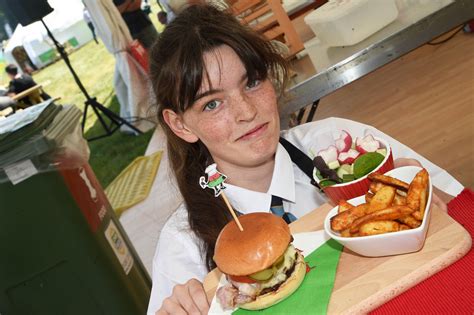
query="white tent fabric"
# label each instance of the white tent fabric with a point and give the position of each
(24, 36)
(130, 80)
(65, 22)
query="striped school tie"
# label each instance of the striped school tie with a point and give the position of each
(277, 209)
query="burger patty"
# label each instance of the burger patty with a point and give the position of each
(287, 273)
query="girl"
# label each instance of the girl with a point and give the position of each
(217, 84)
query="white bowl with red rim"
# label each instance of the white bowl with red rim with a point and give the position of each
(358, 187)
(394, 243)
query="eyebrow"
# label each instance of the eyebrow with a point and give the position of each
(213, 91)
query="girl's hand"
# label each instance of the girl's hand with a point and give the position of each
(439, 198)
(188, 298)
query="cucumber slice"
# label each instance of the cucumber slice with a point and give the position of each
(382, 151)
(318, 175)
(279, 262)
(263, 275)
(326, 183)
(344, 169)
(333, 165)
(348, 178)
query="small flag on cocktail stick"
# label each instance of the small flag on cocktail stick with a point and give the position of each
(215, 181)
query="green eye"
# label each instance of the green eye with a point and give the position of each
(252, 84)
(212, 105)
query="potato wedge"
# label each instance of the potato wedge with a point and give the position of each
(417, 215)
(378, 227)
(391, 213)
(375, 186)
(343, 220)
(418, 188)
(344, 206)
(399, 200)
(382, 199)
(402, 193)
(423, 200)
(387, 180)
(346, 233)
(410, 221)
(368, 197)
(404, 227)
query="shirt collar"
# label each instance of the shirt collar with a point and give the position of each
(282, 185)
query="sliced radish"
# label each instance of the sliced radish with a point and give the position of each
(329, 155)
(344, 142)
(348, 157)
(367, 144)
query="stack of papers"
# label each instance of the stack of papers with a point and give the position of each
(35, 132)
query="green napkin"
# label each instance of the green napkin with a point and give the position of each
(312, 297)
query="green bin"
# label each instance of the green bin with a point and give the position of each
(62, 250)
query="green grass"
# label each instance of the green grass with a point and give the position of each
(95, 67)
(110, 155)
(3, 75)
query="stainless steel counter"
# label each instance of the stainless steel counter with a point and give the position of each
(376, 55)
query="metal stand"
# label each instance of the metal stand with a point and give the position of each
(312, 111)
(100, 110)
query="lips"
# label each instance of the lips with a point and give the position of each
(254, 132)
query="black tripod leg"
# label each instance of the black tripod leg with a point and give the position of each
(312, 111)
(84, 116)
(300, 116)
(93, 102)
(114, 117)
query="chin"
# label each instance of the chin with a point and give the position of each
(264, 148)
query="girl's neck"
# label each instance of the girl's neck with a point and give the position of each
(256, 178)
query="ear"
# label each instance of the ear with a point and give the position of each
(176, 124)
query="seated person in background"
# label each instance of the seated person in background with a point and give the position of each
(6, 102)
(20, 82)
(137, 21)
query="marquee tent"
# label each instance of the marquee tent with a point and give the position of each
(66, 24)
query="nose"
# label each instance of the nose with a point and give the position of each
(244, 108)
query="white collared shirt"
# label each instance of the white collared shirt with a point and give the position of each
(178, 257)
(288, 182)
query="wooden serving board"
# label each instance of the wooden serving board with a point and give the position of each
(364, 283)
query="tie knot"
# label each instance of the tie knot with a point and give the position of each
(276, 208)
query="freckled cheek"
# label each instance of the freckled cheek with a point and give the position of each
(214, 132)
(268, 102)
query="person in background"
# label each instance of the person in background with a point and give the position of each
(138, 22)
(6, 102)
(20, 82)
(87, 18)
(166, 15)
(146, 7)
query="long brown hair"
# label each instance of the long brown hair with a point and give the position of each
(177, 69)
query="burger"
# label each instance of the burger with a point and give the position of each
(261, 265)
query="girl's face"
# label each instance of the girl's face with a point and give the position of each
(237, 120)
